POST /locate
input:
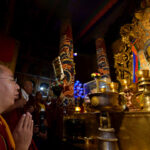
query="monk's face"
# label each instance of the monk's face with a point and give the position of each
(28, 87)
(39, 96)
(8, 89)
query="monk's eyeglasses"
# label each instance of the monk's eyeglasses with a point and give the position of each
(11, 79)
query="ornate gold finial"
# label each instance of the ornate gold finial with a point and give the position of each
(145, 3)
(127, 34)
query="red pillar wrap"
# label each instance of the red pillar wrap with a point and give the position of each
(102, 62)
(66, 55)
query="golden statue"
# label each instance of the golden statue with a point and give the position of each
(135, 37)
(135, 40)
(123, 56)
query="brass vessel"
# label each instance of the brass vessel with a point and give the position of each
(144, 89)
(106, 101)
(108, 140)
(132, 130)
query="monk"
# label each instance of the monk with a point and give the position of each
(22, 105)
(21, 137)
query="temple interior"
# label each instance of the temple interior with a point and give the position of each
(90, 62)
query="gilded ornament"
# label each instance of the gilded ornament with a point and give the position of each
(94, 101)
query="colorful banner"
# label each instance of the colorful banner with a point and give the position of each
(102, 62)
(66, 55)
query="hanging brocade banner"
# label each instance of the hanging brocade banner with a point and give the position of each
(136, 63)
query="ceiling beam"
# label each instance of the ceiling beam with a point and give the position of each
(97, 16)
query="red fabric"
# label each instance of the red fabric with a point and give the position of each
(136, 60)
(4, 140)
(134, 50)
(33, 146)
(3, 146)
(12, 119)
(7, 47)
(136, 68)
(54, 115)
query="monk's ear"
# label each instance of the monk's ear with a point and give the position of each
(138, 15)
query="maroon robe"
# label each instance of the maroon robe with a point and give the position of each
(6, 139)
(13, 118)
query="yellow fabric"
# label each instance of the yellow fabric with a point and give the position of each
(8, 133)
(42, 106)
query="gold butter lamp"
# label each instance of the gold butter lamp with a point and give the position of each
(126, 93)
(125, 84)
(142, 73)
(143, 77)
(144, 89)
(114, 87)
(106, 101)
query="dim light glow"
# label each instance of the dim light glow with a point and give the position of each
(41, 88)
(78, 90)
(75, 54)
(77, 109)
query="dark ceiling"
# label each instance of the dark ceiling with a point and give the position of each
(36, 25)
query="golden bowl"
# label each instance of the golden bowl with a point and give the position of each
(106, 101)
(134, 87)
(102, 90)
(124, 82)
(143, 74)
(114, 86)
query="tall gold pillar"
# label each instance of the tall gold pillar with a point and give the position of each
(102, 61)
(66, 55)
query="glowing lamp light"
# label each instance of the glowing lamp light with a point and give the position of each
(77, 81)
(77, 109)
(78, 90)
(75, 54)
(41, 88)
